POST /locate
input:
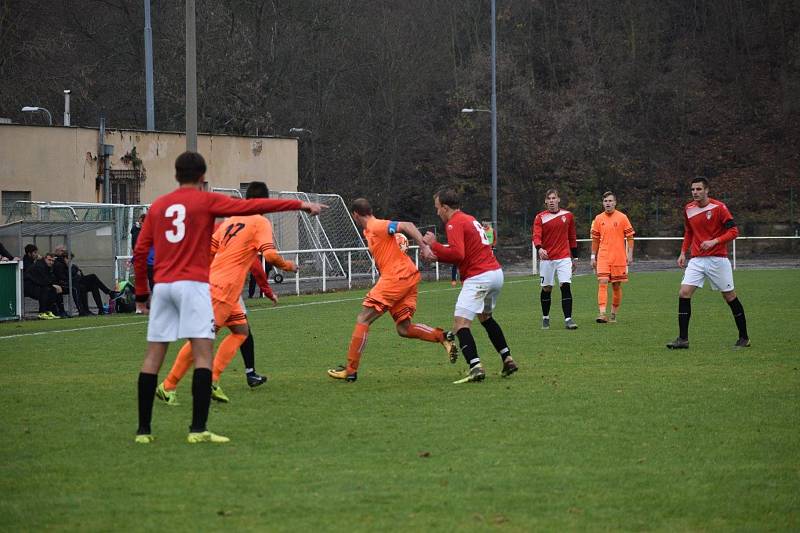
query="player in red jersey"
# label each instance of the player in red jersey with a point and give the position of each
(395, 291)
(482, 280)
(179, 226)
(709, 226)
(234, 245)
(553, 236)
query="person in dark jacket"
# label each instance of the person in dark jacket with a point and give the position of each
(41, 285)
(82, 284)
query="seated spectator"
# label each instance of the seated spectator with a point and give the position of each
(40, 284)
(30, 257)
(61, 270)
(82, 284)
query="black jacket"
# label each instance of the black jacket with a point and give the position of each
(41, 275)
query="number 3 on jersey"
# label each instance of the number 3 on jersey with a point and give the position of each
(178, 211)
(481, 232)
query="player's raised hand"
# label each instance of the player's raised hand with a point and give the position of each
(429, 238)
(428, 255)
(313, 208)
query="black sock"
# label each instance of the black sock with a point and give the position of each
(201, 399)
(248, 350)
(147, 392)
(497, 337)
(468, 348)
(545, 298)
(566, 299)
(738, 316)
(684, 314)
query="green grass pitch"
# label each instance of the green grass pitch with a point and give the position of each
(602, 428)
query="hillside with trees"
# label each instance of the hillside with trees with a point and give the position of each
(635, 96)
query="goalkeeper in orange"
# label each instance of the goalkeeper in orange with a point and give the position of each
(612, 252)
(395, 291)
(234, 246)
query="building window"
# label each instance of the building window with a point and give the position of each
(126, 186)
(9, 198)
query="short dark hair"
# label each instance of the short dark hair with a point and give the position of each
(449, 197)
(700, 179)
(361, 207)
(549, 192)
(30, 248)
(50, 254)
(257, 189)
(189, 167)
(609, 193)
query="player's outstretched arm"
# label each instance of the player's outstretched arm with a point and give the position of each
(313, 208)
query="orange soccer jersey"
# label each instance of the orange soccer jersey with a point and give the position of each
(236, 242)
(396, 290)
(612, 231)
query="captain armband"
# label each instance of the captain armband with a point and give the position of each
(730, 224)
(393, 227)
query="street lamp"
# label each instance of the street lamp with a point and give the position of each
(31, 109)
(493, 112)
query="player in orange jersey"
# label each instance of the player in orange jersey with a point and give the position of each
(612, 252)
(395, 291)
(235, 244)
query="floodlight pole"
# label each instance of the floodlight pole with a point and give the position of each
(494, 119)
(191, 79)
(148, 67)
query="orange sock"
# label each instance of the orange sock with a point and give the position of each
(225, 353)
(425, 333)
(357, 343)
(616, 297)
(602, 297)
(180, 367)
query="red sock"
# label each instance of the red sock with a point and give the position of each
(357, 343)
(425, 333)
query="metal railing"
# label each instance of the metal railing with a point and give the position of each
(324, 277)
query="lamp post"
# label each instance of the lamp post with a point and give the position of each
(494, 158)
(298, 131)
(32, 109)
(494, 119)
(493, 112)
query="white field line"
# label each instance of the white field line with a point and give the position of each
(249, 311)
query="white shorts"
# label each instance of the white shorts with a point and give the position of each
(479, 294)
(717, 269)
(550, 267)
(180, 310)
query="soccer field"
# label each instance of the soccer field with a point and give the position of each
(602, 428)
